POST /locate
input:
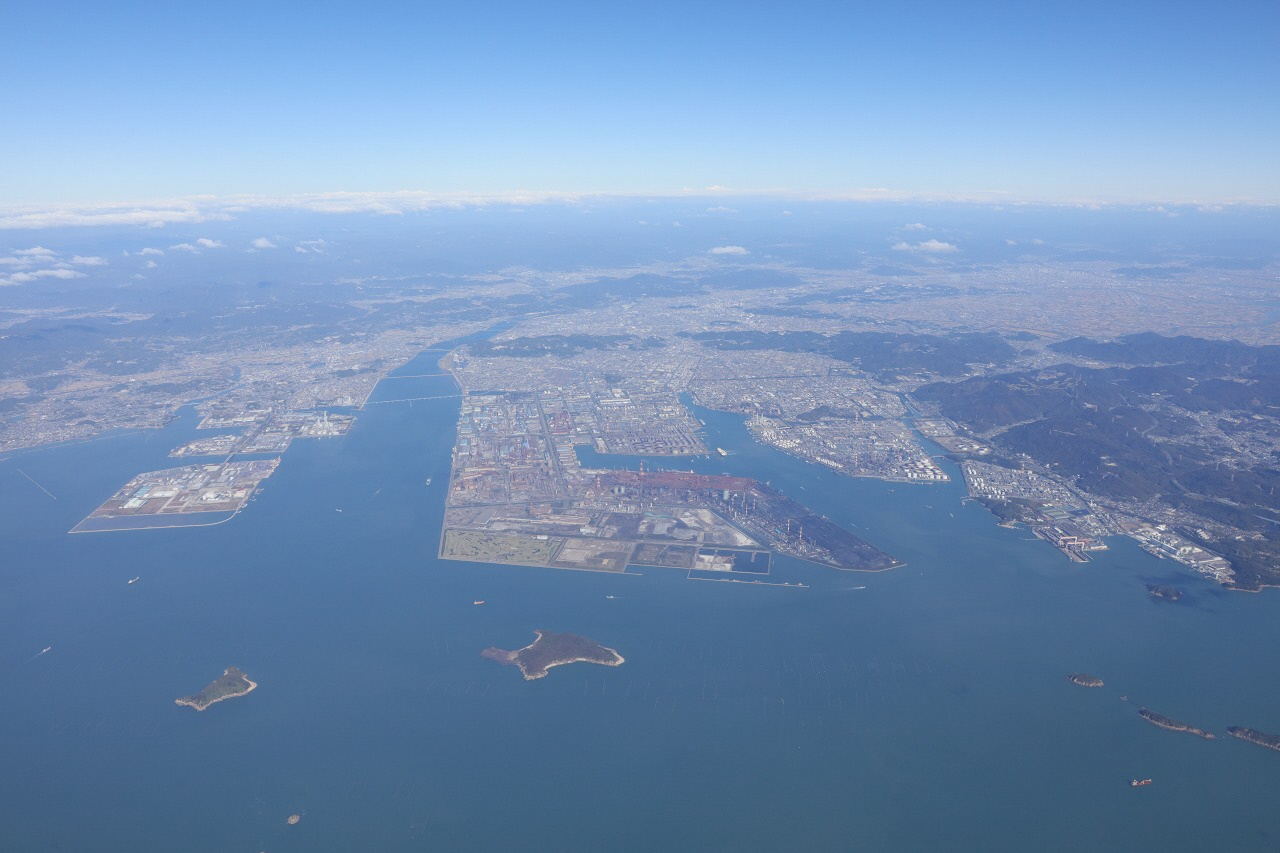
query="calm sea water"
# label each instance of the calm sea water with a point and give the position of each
(927, 711)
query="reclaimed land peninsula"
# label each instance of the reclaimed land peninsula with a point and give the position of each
(1172, 725)
(551, 649)
(1255, 736)
(233, 683)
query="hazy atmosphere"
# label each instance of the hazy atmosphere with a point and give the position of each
(579, 427)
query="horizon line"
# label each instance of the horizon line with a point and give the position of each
(157, 213)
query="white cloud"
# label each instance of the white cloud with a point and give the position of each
(152, 217)
(317, 246)
(197, 209)
(34, 275)
(404, 201)
(937, 246)
(202, 243)
(933, 246)
(262, 243)
(38, 262)
(151, 251)
(915, 226)
(151, 265)
(729, 250)
(57, 273)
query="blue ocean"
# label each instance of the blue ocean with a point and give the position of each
(923, 708)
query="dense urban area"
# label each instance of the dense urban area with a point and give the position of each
(1033, 376)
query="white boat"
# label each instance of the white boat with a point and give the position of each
(428, 481)
(134, 580)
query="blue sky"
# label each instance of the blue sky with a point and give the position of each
(1052, 102)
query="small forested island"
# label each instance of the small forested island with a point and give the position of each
(233, 683)
(1084, 680)
(1172, 725)
(1255, 736)
(1165, 593)
(551, 649)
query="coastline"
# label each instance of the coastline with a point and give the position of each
(618, 662)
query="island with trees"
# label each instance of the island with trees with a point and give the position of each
(231, 684)
(552, 649)
(1255, 736)
(1084, 680)
(1172, 725)
(1165, 593)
